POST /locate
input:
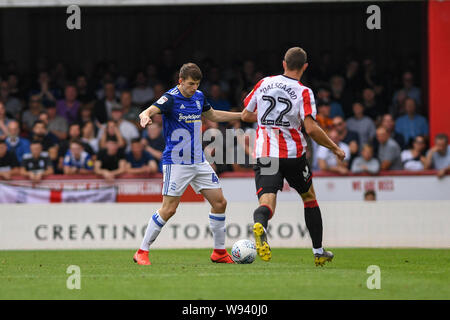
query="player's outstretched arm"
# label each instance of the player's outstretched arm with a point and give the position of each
(145, 117)
(319, 136)
(221, 116)
(248, 116)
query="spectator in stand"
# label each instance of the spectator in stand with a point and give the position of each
(76, 160)
(371, 107)
(408, 89)
(88, 135)
(217, 100)
(138, 160)
(411, 124)
(414, 159)
(15, 143)
(85, 95)
(361, 124)
(387, 122)
(323, 94)
(111, 132)
(323, 115)
(349, 137)
(370, 195)
(86, 115)
(142, 93)
(110, 161)
(127, 129)
(340, 93)
(327, 160)
(4, 120)
(49, 143)
(398, 106)
(55, 124)
(366, 163)
(103, 107)
(388, 151)
(69, 106)
(73, 133)
(130, 112)
(40, 133)
(36, 164)
(153, 140)
(9, 165)
(32, 114)
(159, 90)
(14, 87)
(13, 106)
(44, 90)
(438, 157)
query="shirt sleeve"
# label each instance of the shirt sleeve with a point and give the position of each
(165, 103)
(322, 153)
(67, 159)
(206, 105)
(308, 107)
(356, 165)
(250, 100)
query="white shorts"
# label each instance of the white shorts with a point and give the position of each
(177, 177)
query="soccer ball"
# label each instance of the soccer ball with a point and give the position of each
(243, 251)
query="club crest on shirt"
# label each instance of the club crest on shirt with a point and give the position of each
(162, 100)
(199, 106)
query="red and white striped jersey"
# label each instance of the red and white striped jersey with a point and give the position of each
(282, 103)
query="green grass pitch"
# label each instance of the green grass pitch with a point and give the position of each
(188, 274)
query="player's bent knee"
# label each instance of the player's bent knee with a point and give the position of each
(220, 205)
(167, 213)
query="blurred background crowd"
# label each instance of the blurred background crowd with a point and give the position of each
(62, 119)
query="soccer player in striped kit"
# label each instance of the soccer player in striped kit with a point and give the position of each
(183, 160)
(282, 105)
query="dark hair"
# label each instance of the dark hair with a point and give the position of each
(2, 141)
(190, 70)
(370, 193)
(70, 84)
(322, 103)
(36, 142)
(77, 141)
(39, 122)
(295, 58)
(73, 124)
(136, 140)
(441, 136)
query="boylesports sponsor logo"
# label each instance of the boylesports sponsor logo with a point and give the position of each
(189, 117)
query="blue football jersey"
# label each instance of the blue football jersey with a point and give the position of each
(182, 126)
(85, 161)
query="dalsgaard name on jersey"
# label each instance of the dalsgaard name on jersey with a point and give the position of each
(182, 126)
(279, 85)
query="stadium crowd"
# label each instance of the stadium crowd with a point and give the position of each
(62, 120)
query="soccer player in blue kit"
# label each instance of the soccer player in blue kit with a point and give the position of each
(183, 160)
